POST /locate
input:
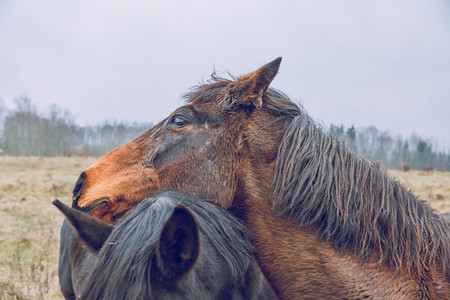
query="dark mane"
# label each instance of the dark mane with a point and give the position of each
(354, 203)
(131, 245)
(206, 92)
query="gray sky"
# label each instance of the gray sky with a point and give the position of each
(382, 63)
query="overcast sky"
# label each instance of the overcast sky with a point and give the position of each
(382, 63)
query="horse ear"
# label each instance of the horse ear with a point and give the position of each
(250, 89)
(94, 232)
(178, 243)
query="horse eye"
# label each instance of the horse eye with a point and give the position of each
(178, 122)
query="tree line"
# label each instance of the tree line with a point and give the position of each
(393, 152)
(25, 131)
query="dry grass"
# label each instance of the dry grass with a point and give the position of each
(433, 186)
(30, 224)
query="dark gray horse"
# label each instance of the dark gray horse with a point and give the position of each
(170, 247)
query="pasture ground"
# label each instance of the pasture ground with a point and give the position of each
(30, 224)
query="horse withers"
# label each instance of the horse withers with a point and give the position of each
(326, 223)
(171, 246)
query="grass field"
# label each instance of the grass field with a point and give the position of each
(29, 223)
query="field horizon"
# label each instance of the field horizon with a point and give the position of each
(30, 224)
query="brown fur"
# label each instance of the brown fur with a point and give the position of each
(326, 223)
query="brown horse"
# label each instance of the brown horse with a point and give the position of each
(326, 222)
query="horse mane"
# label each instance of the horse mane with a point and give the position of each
(353, 203)
(126, 257)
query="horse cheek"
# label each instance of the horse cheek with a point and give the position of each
(223, 167)
(224, 184)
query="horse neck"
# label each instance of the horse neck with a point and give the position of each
(280, 245)
(278, 233)
(309, 263)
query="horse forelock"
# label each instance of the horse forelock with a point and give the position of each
(354, 204)
(231, 238)
(207, 92)
(275, 101)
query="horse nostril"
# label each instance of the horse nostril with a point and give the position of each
(78, 189)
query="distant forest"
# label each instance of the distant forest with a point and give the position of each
(393, 152)
(25, 131)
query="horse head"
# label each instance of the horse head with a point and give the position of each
(220, 146)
